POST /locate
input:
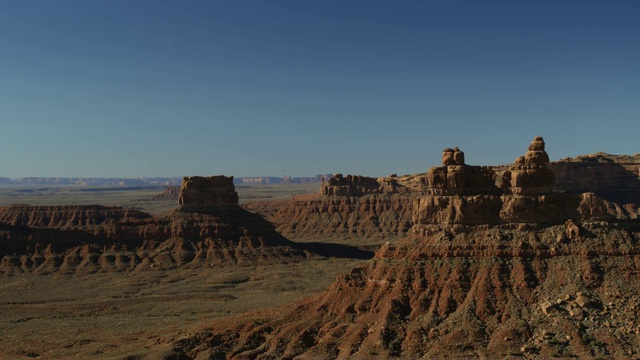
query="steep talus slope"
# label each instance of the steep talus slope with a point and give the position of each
(462, 291)
(225, 237)
(380, 216)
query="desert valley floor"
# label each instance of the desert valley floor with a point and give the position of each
(131, 315)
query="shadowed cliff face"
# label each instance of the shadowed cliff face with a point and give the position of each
(615, 178)
(201, 193)
(461, 291)
(225, 236)
(209, 229)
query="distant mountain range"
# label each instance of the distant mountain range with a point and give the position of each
(154, 181)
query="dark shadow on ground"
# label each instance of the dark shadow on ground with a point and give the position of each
(336, 250)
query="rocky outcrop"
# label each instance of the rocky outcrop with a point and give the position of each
(455, 193)
(615, 178)
(467, 195)
(452, 156)
(461, 180)
(230, 236)
(356, 185)
(553, 208)
(510, 270)
(531, 173)
(381, 216)
(199, 193)
(209, 229)
(67, 216)
(568, 290)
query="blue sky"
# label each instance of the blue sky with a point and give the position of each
(247, 88)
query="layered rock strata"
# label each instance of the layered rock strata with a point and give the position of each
(87, 239)
(370, 217)
(356, 185)
(613, 177)
(200, 193)
(457, 178)
(531, 173)
(454, 193)
(567, 290)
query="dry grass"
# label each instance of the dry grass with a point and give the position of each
(114, 315)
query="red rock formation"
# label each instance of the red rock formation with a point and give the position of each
(461, 180)
(531, 173)
(365, 217)
(470, 210)
(483, 275)
(67, 216)
(350, 185)
(460, 292)
(209, 230)
(198, 193)
(356, 185)
(613, 177)
(452, 157)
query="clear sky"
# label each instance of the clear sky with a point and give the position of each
(127, 88)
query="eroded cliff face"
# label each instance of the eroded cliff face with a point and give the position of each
(461, 291)
(613, 177)
(356, 185)
(553, 208)
(382, 216)
(200, 193)
(67, 216)
(178, 239)
(514, 269)
(88, 239)
(454, 193)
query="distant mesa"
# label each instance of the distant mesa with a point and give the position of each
(200, 193)
(207, 229)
